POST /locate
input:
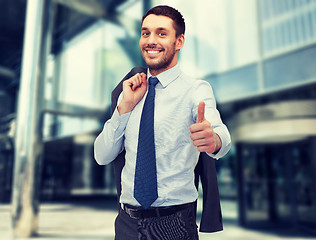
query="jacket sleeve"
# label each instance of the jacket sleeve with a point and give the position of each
(211, 219)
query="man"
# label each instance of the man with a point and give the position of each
(163, 120)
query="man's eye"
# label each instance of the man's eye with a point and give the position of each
(145, 34)
(162, 34)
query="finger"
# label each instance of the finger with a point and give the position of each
(136, 81)
(207, 134)
(131, 82)
(197, 127)
(128, 84)
(196, 136)
(201, 110)
(143, 76)
(209, 149)
(144, 83)
(200, 142)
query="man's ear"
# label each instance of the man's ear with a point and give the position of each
(180, 42)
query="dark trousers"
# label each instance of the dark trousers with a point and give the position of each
(178, 226)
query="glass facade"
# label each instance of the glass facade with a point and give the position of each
(255, 184)
(303, 181)
(242, 82)
(271, 186)
(80, 77)
(80, 87)
(286, 49)
(296, 67)
(287, 24)
(278, 184)
(220, 35)
(88, 68)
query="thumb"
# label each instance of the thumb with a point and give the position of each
(201, 108)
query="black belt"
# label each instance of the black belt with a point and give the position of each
(140, 213)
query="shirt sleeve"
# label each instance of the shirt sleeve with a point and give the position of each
(204, 92)
(110, 142)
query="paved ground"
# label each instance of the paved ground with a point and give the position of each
(93, 220)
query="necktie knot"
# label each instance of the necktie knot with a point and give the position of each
(153, 81)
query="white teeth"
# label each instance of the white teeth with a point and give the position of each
(153, 51)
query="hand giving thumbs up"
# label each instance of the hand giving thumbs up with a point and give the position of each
(202, 134)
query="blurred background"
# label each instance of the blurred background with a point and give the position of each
(60, 60)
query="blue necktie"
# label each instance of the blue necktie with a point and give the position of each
(145, 183)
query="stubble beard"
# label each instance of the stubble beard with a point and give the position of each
(163, 63)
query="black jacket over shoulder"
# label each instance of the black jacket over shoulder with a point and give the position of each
(211, 219)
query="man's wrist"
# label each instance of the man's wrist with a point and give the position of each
(218, 144)
(124, 108)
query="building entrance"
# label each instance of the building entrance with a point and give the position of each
(277, 184)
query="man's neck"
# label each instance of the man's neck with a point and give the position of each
(155, 72)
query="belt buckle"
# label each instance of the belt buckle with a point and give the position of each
(131, 212)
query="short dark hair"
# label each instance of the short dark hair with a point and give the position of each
(174, 14)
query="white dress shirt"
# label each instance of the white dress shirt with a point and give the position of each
(176, 102)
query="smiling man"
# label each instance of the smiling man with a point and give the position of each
(164, 120)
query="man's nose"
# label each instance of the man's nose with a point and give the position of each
(152, 39)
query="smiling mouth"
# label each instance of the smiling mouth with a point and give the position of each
(152, 53)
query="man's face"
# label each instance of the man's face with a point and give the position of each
(158, 43)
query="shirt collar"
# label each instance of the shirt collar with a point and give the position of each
(166, 77)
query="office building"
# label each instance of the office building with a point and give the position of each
(258, 55)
